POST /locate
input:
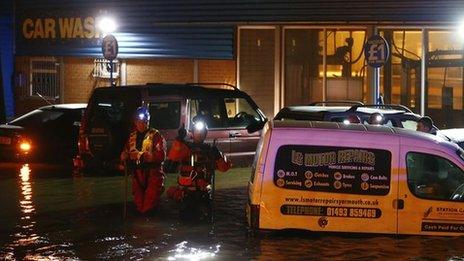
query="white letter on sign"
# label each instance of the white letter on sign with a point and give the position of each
(109, 49)
(373, 52)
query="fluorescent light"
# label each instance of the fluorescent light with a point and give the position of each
(107, 25)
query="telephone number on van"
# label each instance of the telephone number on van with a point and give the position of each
(305, 210)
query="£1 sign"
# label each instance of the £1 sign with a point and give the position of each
(376, 51)
(110, 47)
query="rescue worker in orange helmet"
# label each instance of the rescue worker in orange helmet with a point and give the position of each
(144, 153)
(196, 160)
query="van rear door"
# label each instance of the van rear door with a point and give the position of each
(345, 181)
(433, 194)
(109, 120)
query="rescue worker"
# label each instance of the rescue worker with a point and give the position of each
(143, 154)
(376, 118)
(352, 118)
(197, 160)
(425, 124)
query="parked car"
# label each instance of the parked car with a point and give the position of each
(231, 116)
(456, 135)
(47, 133)
(394, 115)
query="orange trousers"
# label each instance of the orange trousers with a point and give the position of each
(147, 187)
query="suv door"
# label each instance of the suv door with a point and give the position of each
(240, 114)
(227, 118)
(433, 194)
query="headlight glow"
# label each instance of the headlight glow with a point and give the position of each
(199, 126)
(25, 146)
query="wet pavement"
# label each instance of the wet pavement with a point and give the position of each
(49, 213)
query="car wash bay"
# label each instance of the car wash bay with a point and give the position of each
(47, 212)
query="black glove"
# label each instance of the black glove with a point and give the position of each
(170, 166)
(181, 133)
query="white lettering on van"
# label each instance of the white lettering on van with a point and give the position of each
(293, 182)
(379, 177)
(320, 175)
(347, 185)
(348, 176)
(321, 184)
(291, 173)
(374, 186)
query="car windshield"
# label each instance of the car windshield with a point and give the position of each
(36, 117)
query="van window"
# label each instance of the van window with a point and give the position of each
(210, 110)
(165, 115)
(434, 177)
(239, 112)
(333, 169)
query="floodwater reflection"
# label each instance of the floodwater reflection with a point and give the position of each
(27, 224)
(184, 252)
(58, 216)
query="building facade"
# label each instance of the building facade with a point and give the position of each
(281, 53)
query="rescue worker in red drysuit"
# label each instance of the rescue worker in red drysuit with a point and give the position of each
(144, 153)
(195, 159)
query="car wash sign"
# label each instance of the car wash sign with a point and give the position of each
(58, 32)
(59, 28)
(376, 51)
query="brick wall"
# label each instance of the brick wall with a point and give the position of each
(159, 70)
(217, 71)
(79, 82)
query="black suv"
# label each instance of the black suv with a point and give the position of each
(232, 117)
(339, 111)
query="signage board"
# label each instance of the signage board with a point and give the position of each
(110, 47)
(376, 51)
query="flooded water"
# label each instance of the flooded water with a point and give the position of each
(47, 213)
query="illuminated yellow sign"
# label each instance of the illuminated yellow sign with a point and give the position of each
(63, 28)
